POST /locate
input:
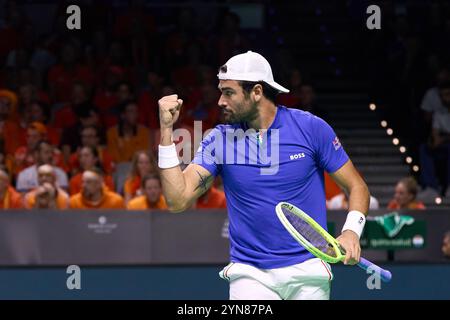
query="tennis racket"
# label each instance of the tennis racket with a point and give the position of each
(318, 241)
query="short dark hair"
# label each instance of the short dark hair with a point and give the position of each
(268, 92)
(149, 177)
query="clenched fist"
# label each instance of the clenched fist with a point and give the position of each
(169, 110)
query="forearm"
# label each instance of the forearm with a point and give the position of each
(359, 198)
(172, 179)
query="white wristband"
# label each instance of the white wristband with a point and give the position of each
(167, 156)
(355, 222)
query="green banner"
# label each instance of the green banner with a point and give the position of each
(410, 237)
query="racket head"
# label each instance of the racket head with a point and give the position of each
(309, 233)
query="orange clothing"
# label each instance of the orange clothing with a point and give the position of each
(122, 149)
(110, 200)
(10, 129)
(76, 182)
(11, 199)
(331, 188)
(141, 203)
(131, 186)
(413, 205)
(213, 199)
(62, 199)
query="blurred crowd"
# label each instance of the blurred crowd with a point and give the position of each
(408, 66)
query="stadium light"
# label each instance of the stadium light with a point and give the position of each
(395, 141)
(383, 123)
(415, 168)
(409, 160)
(438, 200)
(402, 149)
(389, 131)
(372, 107)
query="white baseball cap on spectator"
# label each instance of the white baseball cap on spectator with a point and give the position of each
(249, 66)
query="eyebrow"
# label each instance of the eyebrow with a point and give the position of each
(225, 88)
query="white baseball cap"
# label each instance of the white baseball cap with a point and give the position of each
(249, 66)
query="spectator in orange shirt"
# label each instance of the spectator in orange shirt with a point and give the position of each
(152, 197)
(143, 164)
(88, 159)
(405, 195)
(37, 112)
(8, 124)
(47, 195)
(90, 137)
(211, 199)
(9, 197)
(128, 136)
(94, 195)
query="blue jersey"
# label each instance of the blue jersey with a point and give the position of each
(300, 146)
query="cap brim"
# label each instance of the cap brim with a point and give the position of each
(278, 87)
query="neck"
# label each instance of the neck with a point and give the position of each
(95, 197)
(128, 128)
(152, 203)
(266, 116)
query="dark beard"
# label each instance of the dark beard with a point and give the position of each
(242, 117)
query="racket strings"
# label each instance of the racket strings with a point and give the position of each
(309, 233)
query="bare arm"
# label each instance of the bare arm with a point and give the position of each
(349, 180)
(180, 188)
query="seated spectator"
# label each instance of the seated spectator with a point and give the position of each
(8, 124)
(94, 195)
(152, 197)
(211, 199)
(124, 92)
(38, 111)
(128, 136)
(307, 98)
(446, 245)
(431, 101)
(90, 137)
(24, 155)
(28, 178)
(87, 115)
(67, 116)
(9, 197)
(405, 195)
(292, 99)
(434, 158)
(340, 202)
(47, 195)
(88, 159)
(142, 165)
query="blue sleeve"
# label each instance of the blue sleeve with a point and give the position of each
(329, 152)
(207, 155)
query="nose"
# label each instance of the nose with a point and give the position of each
(221, 103)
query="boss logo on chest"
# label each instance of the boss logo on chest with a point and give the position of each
(297, 156)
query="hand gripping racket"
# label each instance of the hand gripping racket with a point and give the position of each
(318, 241)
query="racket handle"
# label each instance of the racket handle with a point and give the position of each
(385, 274)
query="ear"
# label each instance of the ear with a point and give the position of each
(257, 92)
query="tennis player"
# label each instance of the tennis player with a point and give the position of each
(266, 262)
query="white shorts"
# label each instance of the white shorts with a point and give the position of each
(309, 280)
